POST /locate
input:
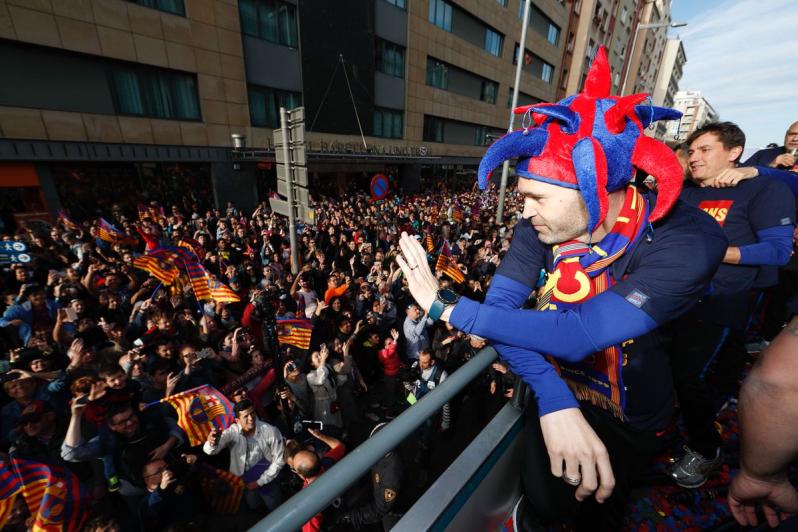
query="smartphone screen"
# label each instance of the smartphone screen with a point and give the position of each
(71, 314)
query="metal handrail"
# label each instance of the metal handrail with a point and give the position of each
(300, 508)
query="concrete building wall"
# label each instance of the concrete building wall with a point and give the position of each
(206, 43)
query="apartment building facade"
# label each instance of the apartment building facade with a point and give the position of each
(133, 88)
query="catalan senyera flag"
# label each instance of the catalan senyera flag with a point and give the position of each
(109, 233)
(294, 332)
(53, 494)
(429, 243)
(222, 489)
(198, 276)
(68, 222)
(447, 265)
(163, 271)
(220, 292)
(201, 410)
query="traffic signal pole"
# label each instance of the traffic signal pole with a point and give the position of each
(289, 192)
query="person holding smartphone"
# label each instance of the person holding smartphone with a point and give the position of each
(256, 454)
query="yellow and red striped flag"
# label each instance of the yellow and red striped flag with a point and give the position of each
(199, 278)
(222, 489)
(429, 243)
(163, 271)
(201, 410)
(294, 332)
(107, 232)
(220, 292)
(448, 265)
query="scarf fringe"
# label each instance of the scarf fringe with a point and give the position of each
(585, 393)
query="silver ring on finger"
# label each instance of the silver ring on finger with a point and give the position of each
(413, 267)
(573, 481)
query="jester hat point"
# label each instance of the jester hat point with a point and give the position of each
(591, 142)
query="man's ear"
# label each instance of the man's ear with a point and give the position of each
(735, 153)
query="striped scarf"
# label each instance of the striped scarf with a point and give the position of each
(579, 272)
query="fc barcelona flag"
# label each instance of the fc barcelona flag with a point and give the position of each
(294, 332)
(200, 410)
(53, 495)
(447, 265)
(222, 489)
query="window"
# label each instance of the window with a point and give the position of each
(554, 34)
(503, 3)
(480, 136)
(624, 14)
(433, 129)
(265, 103)
(154, 92)
(440, 14)
(401, 4)
(390, 58)
(437, 74)
(270, 20)
(388, 123)
(176, 7)
(489, 90)
(523, 99)
(541, 23)
(547, 72)
(493, 42)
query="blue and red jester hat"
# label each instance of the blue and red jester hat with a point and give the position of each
(591, 142)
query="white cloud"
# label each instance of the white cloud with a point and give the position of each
(743, 56)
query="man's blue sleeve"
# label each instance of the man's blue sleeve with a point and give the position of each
(773, 247)
(784, 176)
(673, 273)
(514, 280)
(550, 390)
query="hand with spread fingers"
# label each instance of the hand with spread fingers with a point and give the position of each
(420, 280)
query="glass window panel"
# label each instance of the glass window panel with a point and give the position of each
(128, 92)
(248, 12)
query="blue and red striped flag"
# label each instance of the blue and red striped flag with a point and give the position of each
(53, 494)
(294, 332)
(201, 410)
(192, 245)
(222, 489)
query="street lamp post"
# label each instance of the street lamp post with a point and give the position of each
(634, 43)
(518, 62)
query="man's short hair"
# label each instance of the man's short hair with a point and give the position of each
(111, 368)
(729, 134)
(114, 409)
(241, 406)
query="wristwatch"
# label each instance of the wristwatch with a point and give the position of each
(443, 298)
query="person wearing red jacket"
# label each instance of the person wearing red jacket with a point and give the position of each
(389, 358)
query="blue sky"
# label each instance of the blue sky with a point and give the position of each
(743, 56)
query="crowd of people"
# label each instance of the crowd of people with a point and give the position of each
(92, 343)
(614, 303)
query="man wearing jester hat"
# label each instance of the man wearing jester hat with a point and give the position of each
(620, 263)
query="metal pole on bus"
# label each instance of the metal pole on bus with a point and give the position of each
(519, 60)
